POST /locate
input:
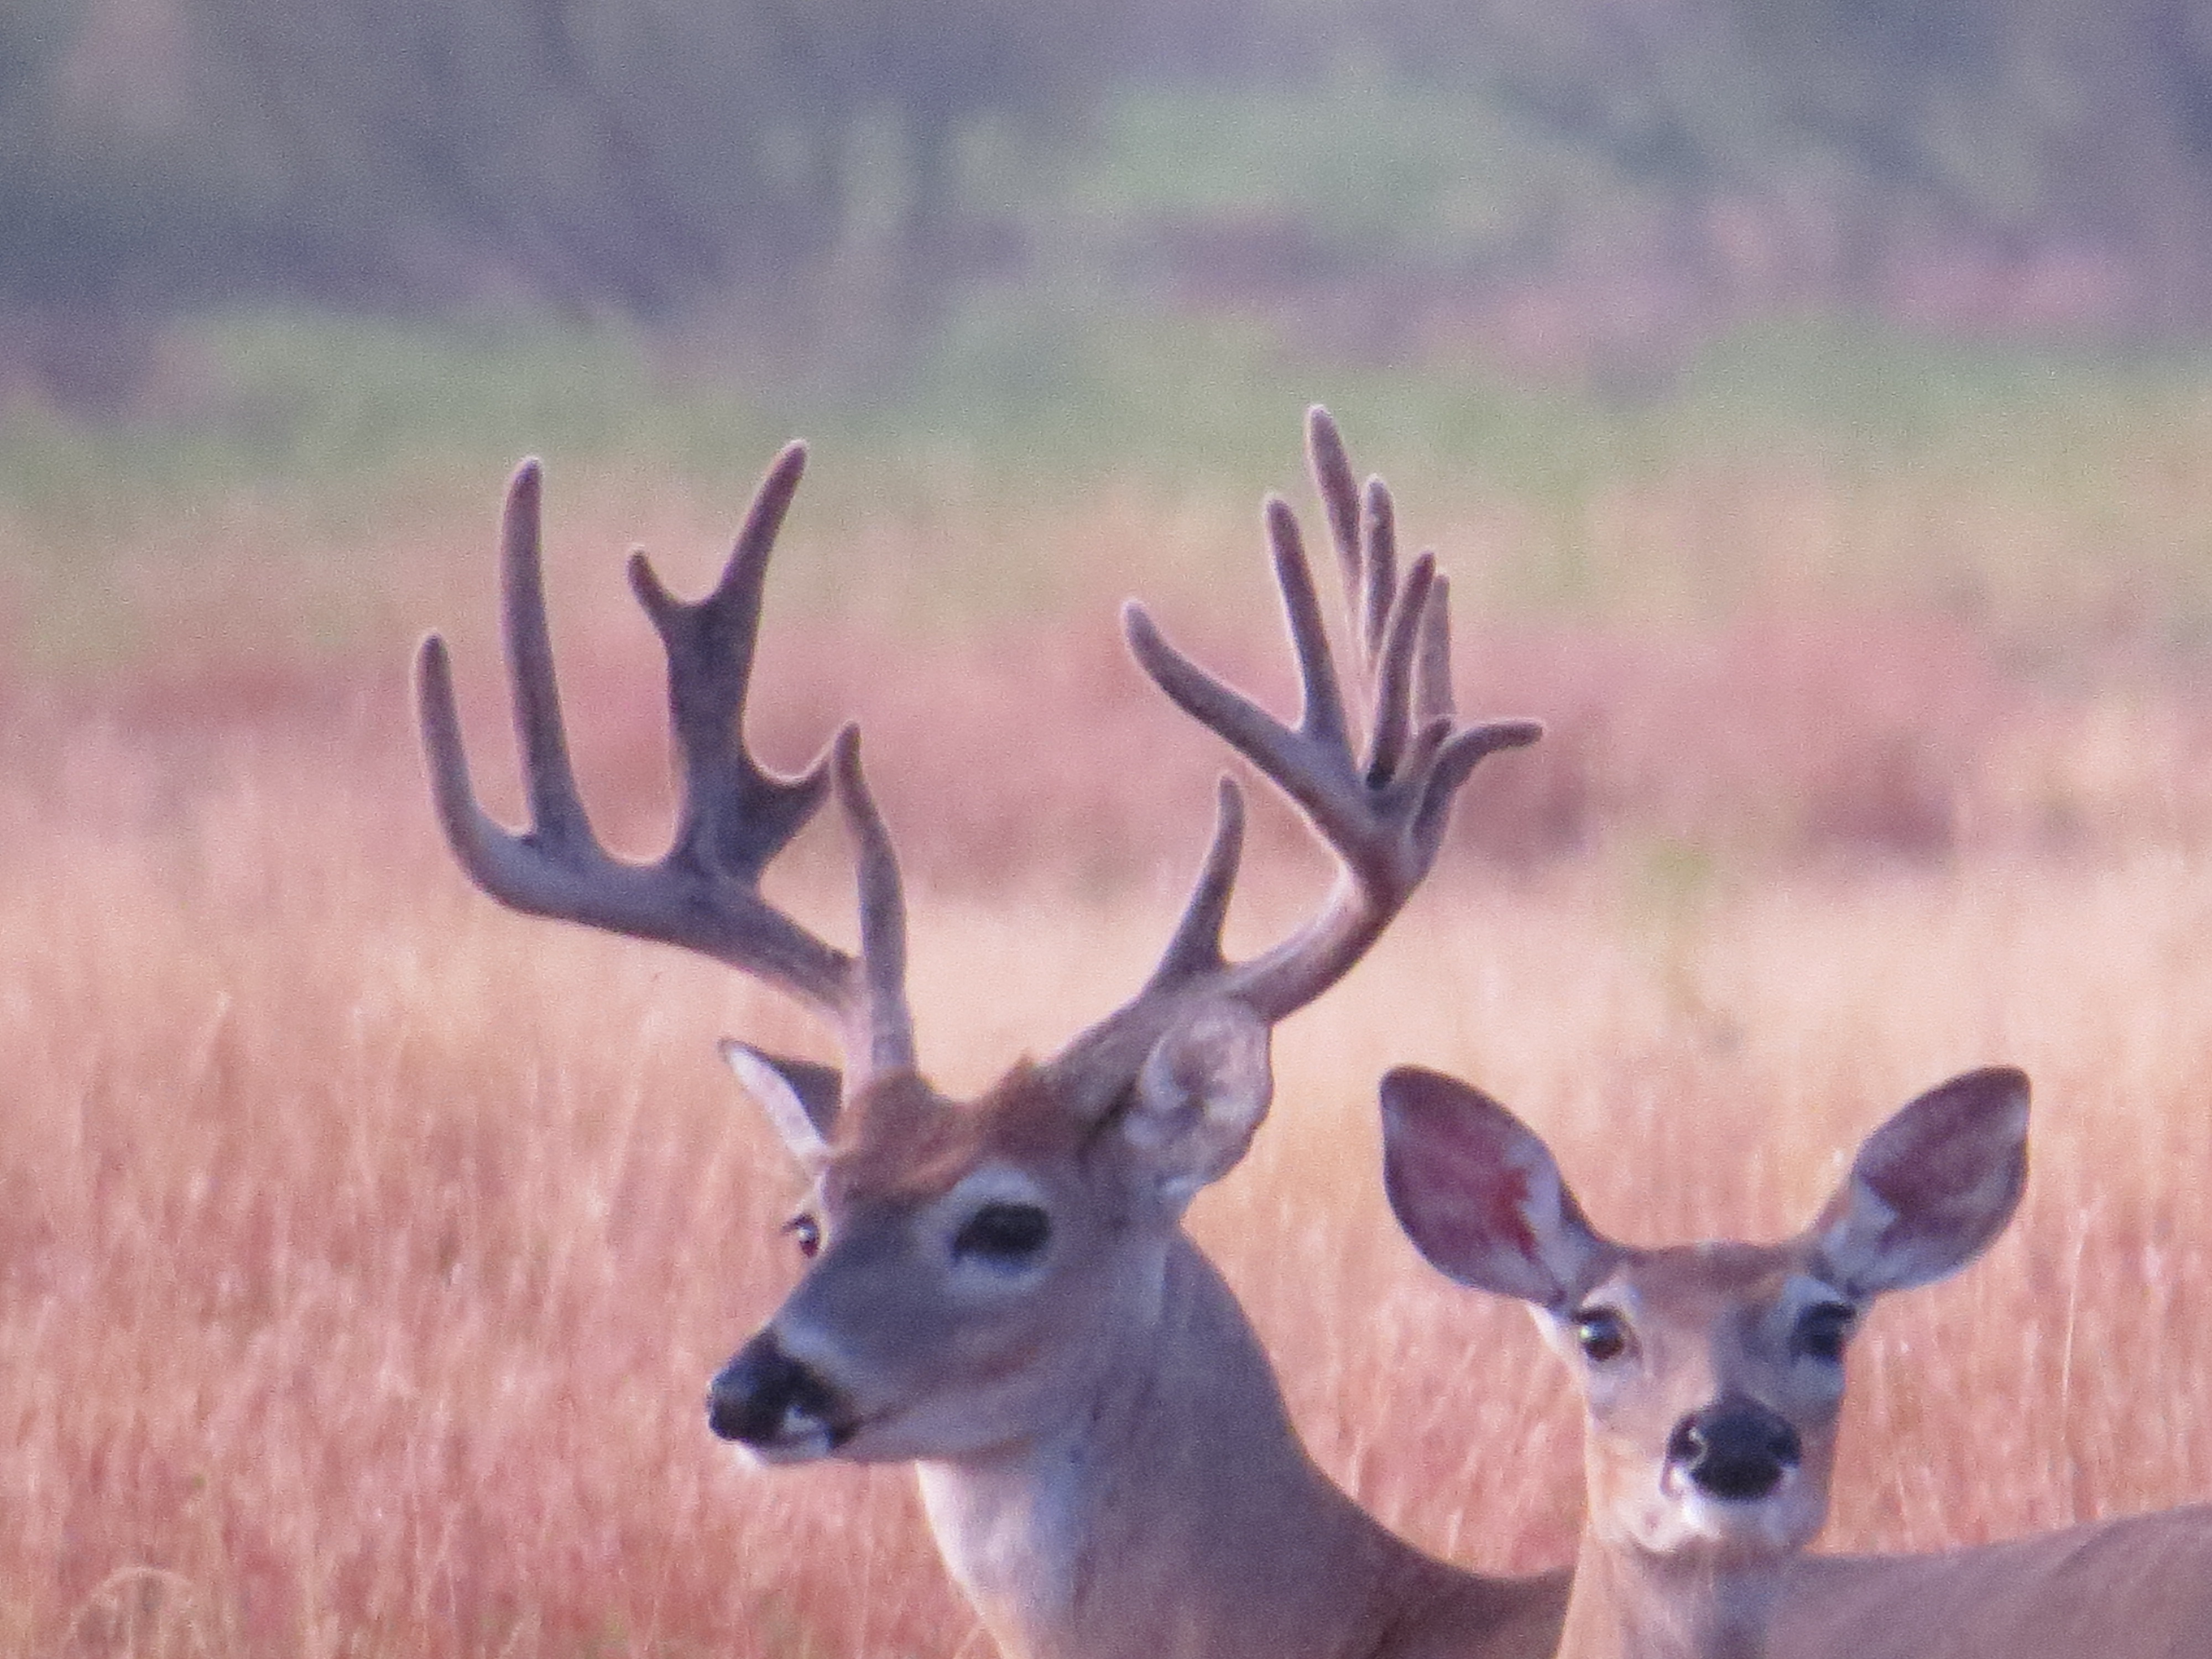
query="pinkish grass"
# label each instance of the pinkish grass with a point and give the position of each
(364, 1250)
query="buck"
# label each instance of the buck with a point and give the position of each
(1712, 1375)
(1001, 1292)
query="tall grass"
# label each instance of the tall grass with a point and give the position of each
(364, 1249)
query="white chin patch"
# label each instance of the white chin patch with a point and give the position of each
(799, 1438)
(1763, 1524)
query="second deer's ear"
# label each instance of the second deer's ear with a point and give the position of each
(1479, 1195)
(1932, 1188)
(1199, 1097)
(799, 1096)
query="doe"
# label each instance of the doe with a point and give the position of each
(1712, 1377)
(1711, 1374)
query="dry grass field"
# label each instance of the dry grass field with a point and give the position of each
(365, 1251)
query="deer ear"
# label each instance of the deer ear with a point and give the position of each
(1199, 1096)
(1931, 1187)
(1479, 1195)
(799, 1096)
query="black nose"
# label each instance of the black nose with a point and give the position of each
(1734, 1450)
(753, 1397)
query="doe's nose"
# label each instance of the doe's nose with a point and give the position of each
(755, 1398)
(1734, 1450)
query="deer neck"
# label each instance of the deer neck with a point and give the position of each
(1174, 1512)
(1628, 1603)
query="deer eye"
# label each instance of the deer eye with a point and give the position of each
(1602, 1333)
(1822, 1330)
(1004, 1233)
(807, 1232)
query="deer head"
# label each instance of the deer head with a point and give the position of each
(1712, 1374)
(969, 1264)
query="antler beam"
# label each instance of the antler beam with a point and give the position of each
(704, 894)
(1382, 815)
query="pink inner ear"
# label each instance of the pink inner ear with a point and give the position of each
(1948, 1145)
(1461, 1174)
(1932, 1178)
(1471, 1203)
(1501, 1211)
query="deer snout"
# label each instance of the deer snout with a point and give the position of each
(1734, 1450)
(768, 1400)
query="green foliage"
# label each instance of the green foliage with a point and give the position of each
(1037, 395)
(315, 463)
(385, 153)
(2004, 125)
(658, 159)
(1381, 173)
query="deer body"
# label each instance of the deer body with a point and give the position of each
(1181, 1466)
(2134, 1587)
(999, 1291)
(1630, 1604)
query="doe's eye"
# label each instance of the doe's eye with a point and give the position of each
(1602, 1333)
(1822, 1330)
(1004, 1233)
(805, 1232)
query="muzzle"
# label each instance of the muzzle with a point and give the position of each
(1734, 1450)
(764, 1398)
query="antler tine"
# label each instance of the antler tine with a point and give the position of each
(1331, 469)
(477, 842)
(1393, 673)
(545, 871)
(1322, 716)
(884, 1028)
(735, 817)
(1432, 682)
(1363, 528)
(557, 811)
(704, 894)
(1378, 543)
(1195, 948)
(1454, 763)
(1297, 760)
(1384, 819)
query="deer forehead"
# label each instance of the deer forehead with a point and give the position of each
(900, 1142)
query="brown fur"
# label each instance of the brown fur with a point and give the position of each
(898, 1138)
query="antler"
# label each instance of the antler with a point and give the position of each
(1383, 813)
(704, 894)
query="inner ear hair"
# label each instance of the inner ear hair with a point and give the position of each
(1932, 1188)
(800, 1097)
(1481, 1196)
(1199, 1097)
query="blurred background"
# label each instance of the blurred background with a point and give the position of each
(1863, 343)
(1811, 402)
(1589, 192)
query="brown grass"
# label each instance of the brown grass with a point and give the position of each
(364, 1250)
